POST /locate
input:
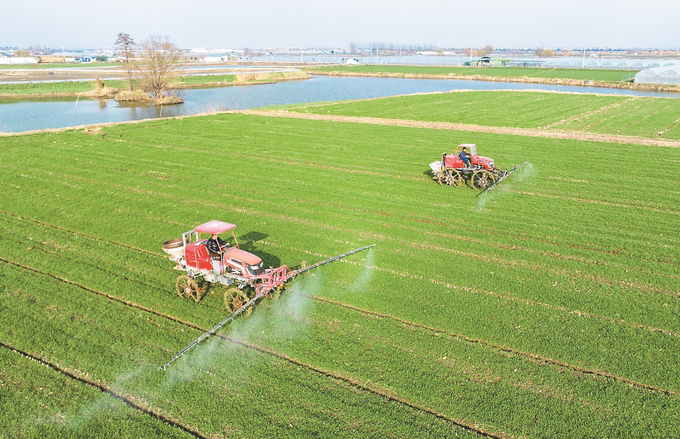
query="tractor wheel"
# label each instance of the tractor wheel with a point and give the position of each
(453, 178)
(187, 287)
(235, 299)
(482, 179)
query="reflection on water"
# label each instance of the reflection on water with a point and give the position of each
(36, 115)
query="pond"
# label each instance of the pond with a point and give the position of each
(20, 116)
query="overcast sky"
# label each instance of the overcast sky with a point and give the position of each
(318, 23)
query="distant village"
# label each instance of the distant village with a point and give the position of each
(478, 56)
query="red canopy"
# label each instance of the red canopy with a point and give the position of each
(214, 226)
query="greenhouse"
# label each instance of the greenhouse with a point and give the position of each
(668, 73)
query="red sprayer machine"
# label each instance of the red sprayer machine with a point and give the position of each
(225, 263)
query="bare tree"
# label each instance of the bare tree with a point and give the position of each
(488, 49)
(159, 60)
(126, 44)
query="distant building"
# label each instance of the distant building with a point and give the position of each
(216, 58)
(84, 59)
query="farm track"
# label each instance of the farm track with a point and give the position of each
(530, 132)
(434, 281)
(128, 399)
(472, 427)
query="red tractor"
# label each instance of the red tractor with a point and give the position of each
(229, 265)
(226, 266)
(480, 173)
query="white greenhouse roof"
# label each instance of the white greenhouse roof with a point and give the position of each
(668, 73)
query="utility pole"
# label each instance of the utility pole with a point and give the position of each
(584, 58)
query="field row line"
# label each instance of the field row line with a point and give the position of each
(135, 403)
(494, 244)
(435, 281)
(472, 340)
(604, 203)
(86, 263)
(97, 238)
(662, 132)
(449, 285)
(384, 393)
(489, 293)
(539, 268)
(589, 113)
(530, 132)
(477, 428)
(556, 255)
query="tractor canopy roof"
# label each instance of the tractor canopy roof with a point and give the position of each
(214, 226)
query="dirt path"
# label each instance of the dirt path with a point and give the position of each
(532, 132)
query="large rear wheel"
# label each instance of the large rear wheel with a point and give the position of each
(453, 178)
(187, 287)
(234, 299)
(482, 179)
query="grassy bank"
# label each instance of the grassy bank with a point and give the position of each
(38, 90)
(548, 308)
(499, 72)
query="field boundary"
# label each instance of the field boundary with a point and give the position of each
(531, 132)
(127, 399)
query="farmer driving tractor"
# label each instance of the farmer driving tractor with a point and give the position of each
(465, 157)
(216, 246)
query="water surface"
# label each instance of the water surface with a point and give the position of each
(36, 115)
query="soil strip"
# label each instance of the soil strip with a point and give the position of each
(536, 357)
(472, 427)
(351, 380)
(127, 399)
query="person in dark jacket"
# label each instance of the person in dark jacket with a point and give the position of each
(216, 245)
(465, 157)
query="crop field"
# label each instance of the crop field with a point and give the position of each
(546, 308)
(501, 72)
(604, 114)
(198, 80)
